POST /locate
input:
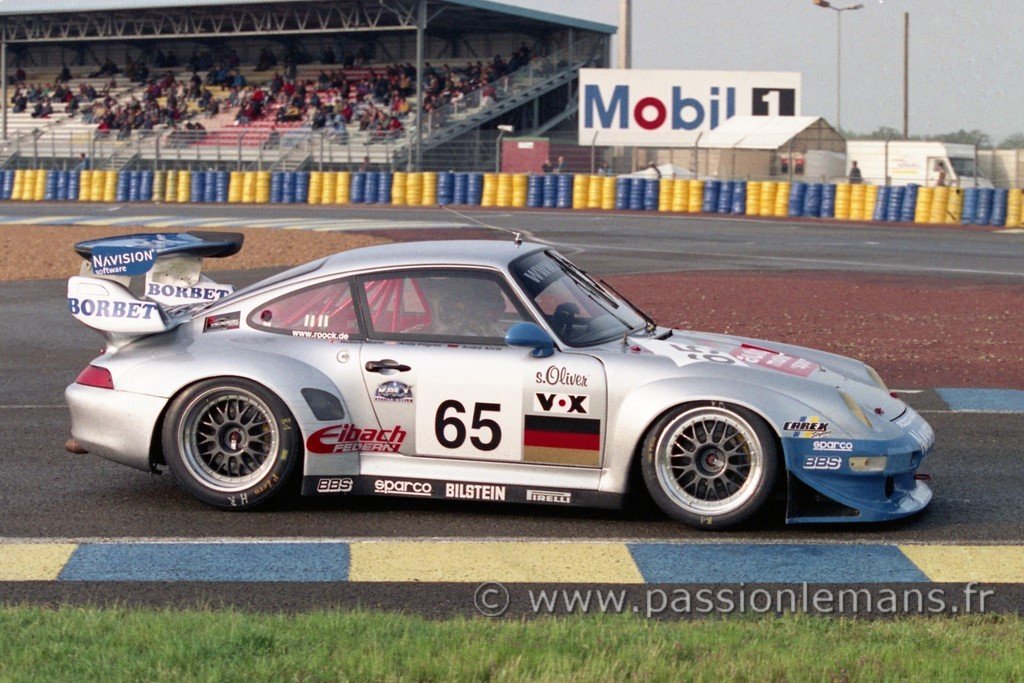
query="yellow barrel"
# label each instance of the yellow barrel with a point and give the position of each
(696, 199)
(870, 200)
(414, 189)
(580, 191)
(940, 202)
(235, 187)
(40, 186)
(857, 193)
(754, 197)
(594, 188)
(110, 187)
(923, 205)
(781, 208)
(19, 184)
(84, 186)
(344, 193)
(955, 205)
(316, 187)
(520, 189)
(99, 178)
(398, 187)
(159, 183)
(666, 192)
(608, 193)
(330, 188)
(171, 188)
(248, 187)
(429, 188)
(184, 187)
(490, 193)
(842, 211)
(681, 196)
(262, 187)
(768, 191)
(504, 194)
(1013, 204)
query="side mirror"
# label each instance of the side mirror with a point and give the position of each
(531, 335)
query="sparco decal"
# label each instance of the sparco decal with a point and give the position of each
(104, 308)
(122, 260)
(561, 403)
(559, 497)
(845, 446)
(334, 485)
(402, 487)
(345, 438)
(474, 491)
(820, 462)
(556, 375)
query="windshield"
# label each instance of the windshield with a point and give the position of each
(964, 168)
(580, 311)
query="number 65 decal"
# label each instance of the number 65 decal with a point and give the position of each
(446, 421)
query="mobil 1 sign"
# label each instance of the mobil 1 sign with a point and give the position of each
(662, 108)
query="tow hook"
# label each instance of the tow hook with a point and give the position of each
(72, 446)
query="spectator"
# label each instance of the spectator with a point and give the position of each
(604, 169)
(546, 167)
(561, 166)
(855, 175)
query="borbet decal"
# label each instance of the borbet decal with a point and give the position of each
(562, 440)
(173, 294)
(346, 438)
(107, 260)
(561, 403)
(105, 308)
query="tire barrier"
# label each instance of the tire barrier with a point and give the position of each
(550, 193)
(754, 198)
(535, 191)
(828, 201)
(709, 202)
(460, 189)
(739, 199)
(595, 189)
(429, 189)
(812, 200)
(623, 187)
(316, 187)
(725, 191)
(276, 188)
(858, 199)
(970, 206)
(881, 204)
(343, 193)
(923, 206)
(446, 186)
(909, 203)
(489, 196)
(870, 201)
(198, 187)
(985, 200)
(414, 189)
(797, 200)
(608, 193)
(504, 192)
(1013, 208)
(399, 188)
(681, 196)
(358, 192)
(782, 200)
(580, 191)
(7, 188)
(520, 187)
(1000, 198)
(842, 203)
(371, 192)
(940, 201)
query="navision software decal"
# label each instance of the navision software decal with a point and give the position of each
(122, 260)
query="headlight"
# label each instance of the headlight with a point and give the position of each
(855, 409)
(872, 464)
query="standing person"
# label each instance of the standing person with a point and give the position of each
(604, 169)
(940, 174)
(561, 166)
(545, 168)
(855, 177)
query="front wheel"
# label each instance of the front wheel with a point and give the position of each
(710, 466)
(230, 442)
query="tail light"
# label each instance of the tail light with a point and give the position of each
(95, 376)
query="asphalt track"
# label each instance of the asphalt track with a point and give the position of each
(45, 493)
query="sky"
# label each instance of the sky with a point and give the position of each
(966, 56)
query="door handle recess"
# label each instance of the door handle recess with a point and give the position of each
(386, 364)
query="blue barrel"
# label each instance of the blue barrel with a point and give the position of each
(652, 189)
(970, 210)
(74, 178)
(812, 200)
(828, 201)
(8, 184)
(725, 197)
(881, 202)
(636, 194)
(895, 207)
(50, 191)
(384, 187)
(797, 197)
(60, 185)
(210, 187)
(711, 190)
(999, 200)
(460, 188)
(909, 205)
(288, 188)
(146, 186)
(197, 191)
(564, 196)
(475, 189)
(123, 179)
(372, 187)
(133, 185)
(276, 187)
(739, 197)
(301, 187)
(445, 180)
(358, 191)
(623, 188)
(535, 191)
(221, 181)
(550, 191)
(985, 199)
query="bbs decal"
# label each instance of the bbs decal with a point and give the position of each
(821, 462)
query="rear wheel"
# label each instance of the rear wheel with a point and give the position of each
(710, 466)
(230, 442)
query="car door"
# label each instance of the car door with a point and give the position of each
(437, 371)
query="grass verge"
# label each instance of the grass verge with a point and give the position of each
(85, 644)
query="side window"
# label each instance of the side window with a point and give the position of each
(440, 305)
(324, 311)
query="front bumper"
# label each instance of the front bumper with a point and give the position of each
(115, 425)
(824, 486)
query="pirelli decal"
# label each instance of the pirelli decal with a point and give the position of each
(562, 441)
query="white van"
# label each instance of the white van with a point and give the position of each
(908, 161)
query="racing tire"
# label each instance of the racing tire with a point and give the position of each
(710, 466)
(230, 442)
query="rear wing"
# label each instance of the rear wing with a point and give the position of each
(100, 296)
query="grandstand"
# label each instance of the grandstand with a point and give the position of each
(285, 85)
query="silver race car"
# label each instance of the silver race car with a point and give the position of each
(471, 370)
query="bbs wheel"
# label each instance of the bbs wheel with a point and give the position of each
(710, 466)
(230, 442)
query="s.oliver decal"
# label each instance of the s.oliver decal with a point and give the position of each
(560, 376)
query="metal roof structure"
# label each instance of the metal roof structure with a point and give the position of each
(35, 21)
(759, 132)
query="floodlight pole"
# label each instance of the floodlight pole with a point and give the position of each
(421, 28)
(839, 51)
(3, 76)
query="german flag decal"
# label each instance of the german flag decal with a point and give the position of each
(562, 441)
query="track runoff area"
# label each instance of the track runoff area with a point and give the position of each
(107, 534)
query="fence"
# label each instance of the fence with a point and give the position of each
(909, 204)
